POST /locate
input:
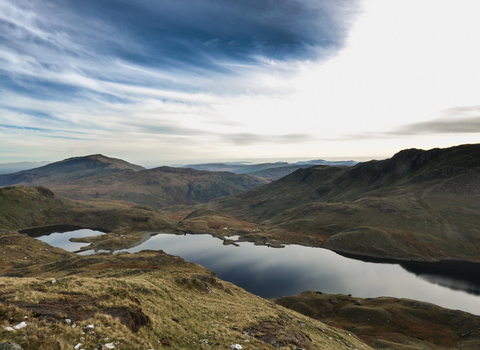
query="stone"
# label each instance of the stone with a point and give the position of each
(166, 342)
(10, 346)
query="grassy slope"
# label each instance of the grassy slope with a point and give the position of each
(390, 323)
(23, 207)
(418, 205)
(137, 300)
(158, 187)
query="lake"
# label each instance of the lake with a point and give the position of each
(276, 272)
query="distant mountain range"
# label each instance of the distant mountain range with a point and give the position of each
(100, 177)
(270, 171)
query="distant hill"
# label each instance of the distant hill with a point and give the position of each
(240, 168)
(417, 205)
(68, 169)
(266, 170)
(99, 177)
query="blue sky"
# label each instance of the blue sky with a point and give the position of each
(161, 82)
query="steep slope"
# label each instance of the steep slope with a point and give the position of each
(418, 205)
(102, 178)
(325, 184)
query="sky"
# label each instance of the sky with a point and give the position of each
(178, 82)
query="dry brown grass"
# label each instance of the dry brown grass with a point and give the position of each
(137, 300)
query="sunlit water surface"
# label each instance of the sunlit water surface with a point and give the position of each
(276, 272)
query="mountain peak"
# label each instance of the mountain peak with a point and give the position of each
(70, 169)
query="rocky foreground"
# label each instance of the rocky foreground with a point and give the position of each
(51, 299)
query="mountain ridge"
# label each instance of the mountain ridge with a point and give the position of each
(97, 177)
(417, 205)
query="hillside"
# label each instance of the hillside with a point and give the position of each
(24, 207)
(417, 205)
(102, 178)
(391, 323)
(67, 170)
(146, 300)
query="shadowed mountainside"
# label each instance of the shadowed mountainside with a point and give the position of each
(417, 205)
(103, 178)
(24, 207)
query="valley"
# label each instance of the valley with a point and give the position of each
(97, 177)
(416, 207)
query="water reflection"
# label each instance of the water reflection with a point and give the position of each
(454, 275)
(270, 272)
(62, 239)
(457, 275)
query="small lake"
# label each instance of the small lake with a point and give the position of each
(61, 238)
(275, 272)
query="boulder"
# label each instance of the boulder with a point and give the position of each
(10, 346)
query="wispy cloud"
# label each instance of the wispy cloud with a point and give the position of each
(154, 67)
(469, 125)
(458, 120)
(251, 139)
